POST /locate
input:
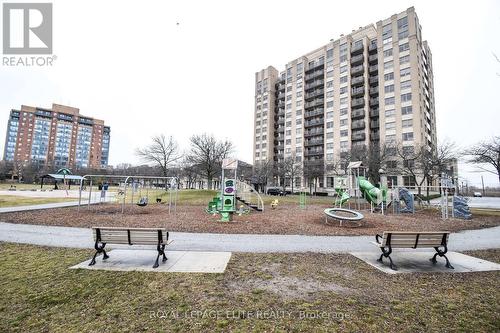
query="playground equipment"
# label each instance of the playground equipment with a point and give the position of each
(334, 213)
(232, 191)
(302, 199)
(274, 203)
(136, 183)
(375, 196)
(408, 198)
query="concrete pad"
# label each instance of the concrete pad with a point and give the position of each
(143, 260)
(418, 262)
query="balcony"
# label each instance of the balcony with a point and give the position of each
(356, 60)
(358, 80)
(315, 65)
(281, 87)
(281, 104)
(356, 49)
(313, 152)
(314, 75)
(313, 132)
(356, 92)
(316, 102)
(357, 114)
(314, 142)
(314, 122)
(357, 103)
(357, 70)
(373, 58)
(372, 48)
(358, 124)
(374, 124)
(314, 113)
(374, 113)
(315, 84)
(373, 101)
(375, 136)
(358, 136)
(374, 91)
(373, 69)
(281, 95)
(374, 80)
(314, 93)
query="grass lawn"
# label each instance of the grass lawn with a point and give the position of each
(14, 200)
(258, 292)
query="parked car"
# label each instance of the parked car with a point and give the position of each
(275, 191)
(477, 195)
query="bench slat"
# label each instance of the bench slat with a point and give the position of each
(138, 236)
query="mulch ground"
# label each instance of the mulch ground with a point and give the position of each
(285, 219)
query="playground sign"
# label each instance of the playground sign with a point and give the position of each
(229, 164)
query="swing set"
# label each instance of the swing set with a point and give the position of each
(129, 185)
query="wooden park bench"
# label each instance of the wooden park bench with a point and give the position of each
(413, 240)
(130, 236)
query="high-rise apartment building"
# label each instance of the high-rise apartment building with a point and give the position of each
(59, 136)
(370, 87)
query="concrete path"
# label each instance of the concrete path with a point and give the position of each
(82, 238)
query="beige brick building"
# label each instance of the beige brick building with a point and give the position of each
(372, 86)
(60, 136)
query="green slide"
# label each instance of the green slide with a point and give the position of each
(342, 197)
(370, 192)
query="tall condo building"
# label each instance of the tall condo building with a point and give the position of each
(60, 136)
(370, 87)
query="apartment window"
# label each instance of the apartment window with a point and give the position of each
(343, 69)
(389, 76)
(298, 103)
(329, 74)
(329, 104)
(390, 113)
(404, 47)
(264, 137)
(344, 144)
(389, 88)
(288, 141)
(289, 97)
(405, 72)
(358, 43)
(298, 121)
(405, 59)
(392, 181)
(298, 131)
(288, 123)
(329, 54)
(408, 136)
(300, 67)
(405, 85)
(343, 111)
(390, 138)
(329, 115)
(409, 181)
(403, 27)
(257, 146)
(257, 154)
(329, 135)
(298, 140)
(343, 100)
(289, 106)
(406, 97)
(329, 124)
(391, 164)
(387, 31)
(343, 58)
(390, 125)
(388, 64)
(329, 94)
(343, 133)
(298, 112)
(329, 157)
(264, 145)
(406, 110)
(343, 122)
(329, 145)
(343, 79)
(343, 90)
(388, 53)
(389, 101)
(329, 84)
(343, 48)
(299, 94)
(407, 123)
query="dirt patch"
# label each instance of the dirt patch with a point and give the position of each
(285, 219)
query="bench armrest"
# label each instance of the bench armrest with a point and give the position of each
(377, 236)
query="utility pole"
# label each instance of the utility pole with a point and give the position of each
(482, 182)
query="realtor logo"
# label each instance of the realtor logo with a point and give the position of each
(27, 28)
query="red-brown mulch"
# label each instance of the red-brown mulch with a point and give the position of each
(285, 219)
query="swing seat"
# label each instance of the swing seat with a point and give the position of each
(143, 202)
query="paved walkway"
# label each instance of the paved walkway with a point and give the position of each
(82, 238)
(95, 199)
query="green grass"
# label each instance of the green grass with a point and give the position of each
(40, 294)
(14, 200)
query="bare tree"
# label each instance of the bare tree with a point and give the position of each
(207, 153)
(313, 170)
(190, 172)
(486, 155)
(293, 169)
(261, 173)
(162, 152)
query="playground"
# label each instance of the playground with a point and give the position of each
(287, 218)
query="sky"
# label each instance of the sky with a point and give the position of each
(188, 67)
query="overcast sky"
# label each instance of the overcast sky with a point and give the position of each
(186, 67)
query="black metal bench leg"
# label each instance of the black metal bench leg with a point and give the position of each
(448, 265)
(387, 254)
(433, 259)
(98, 249)
(92, 262)
(380, 259)
(441, 254)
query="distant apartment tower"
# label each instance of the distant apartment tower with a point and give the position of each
(59, 136)
(368, 88)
